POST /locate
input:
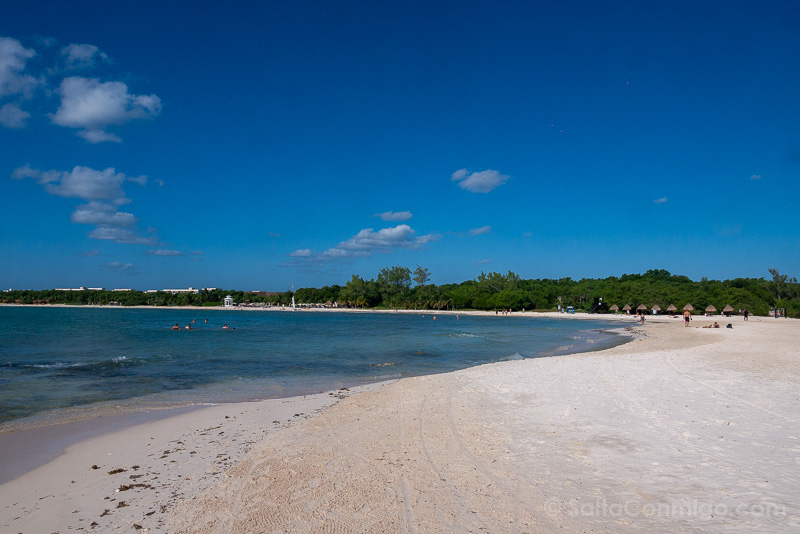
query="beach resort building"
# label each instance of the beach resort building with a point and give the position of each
(192, 290)
(81, 289)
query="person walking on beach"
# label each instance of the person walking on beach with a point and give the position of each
(746, 314)
(686, 318)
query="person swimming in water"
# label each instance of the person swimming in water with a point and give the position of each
(176, 327)
(225, 326)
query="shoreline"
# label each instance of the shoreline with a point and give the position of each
(200, 470)
(33, 441)
(127, 407)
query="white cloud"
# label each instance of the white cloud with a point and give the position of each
(93, 106)
(755, 177)
(660, 200)
(459, 174)
(82, 56)
(481, 262)
(12, 116)
(481, 230)
(164, 252)
(368, 242)
(479, 182)
(394, 216)
(198, 253)
(13, 57)
(118, 267)
(104, 194)
(102, 214)
(82, 182)
(122, 235)
(91, 253)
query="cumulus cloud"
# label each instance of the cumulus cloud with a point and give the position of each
(481, 230)
(660, 200)
(479, 182)
(82, 56)
(368, 242)
(394, 216)
(13, 57)
(117, 267)
(102, 214)
(755, 177)
(12, 116)
(104, 194)
(92, 106)
(124, 236)
(164, 252)
(82, 182)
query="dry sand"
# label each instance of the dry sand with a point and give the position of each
(682, 430)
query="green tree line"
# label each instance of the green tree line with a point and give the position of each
(399, 287)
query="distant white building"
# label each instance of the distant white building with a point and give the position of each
(176, 291)
(80, 288)
(227, 301)
(123, 290)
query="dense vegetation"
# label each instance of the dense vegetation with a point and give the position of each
(399, 287)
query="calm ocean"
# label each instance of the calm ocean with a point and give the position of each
(58, 362)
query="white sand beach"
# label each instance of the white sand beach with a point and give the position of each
(681, 430)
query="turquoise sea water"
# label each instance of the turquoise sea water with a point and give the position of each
(66, 360)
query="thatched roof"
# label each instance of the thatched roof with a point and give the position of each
(672, 308)
(727, 308)
(626, 307)
(688, 307)
(614, 307)
(656, 307)
(641, 307)
(711, 309)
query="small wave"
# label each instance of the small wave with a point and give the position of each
(392, 376)
(387, 364)
(465, 335)
(515, 356)
(119, 361)
(57, 365)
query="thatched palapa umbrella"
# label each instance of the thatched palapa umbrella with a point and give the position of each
(626, 308)
(641, 307)
(688, 307)
(672, 308)
(656, 308)
(711, 309)
(614, 308)
(727, 309)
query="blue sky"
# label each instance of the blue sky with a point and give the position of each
(256, 145)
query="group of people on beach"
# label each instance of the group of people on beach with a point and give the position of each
(194, 321)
